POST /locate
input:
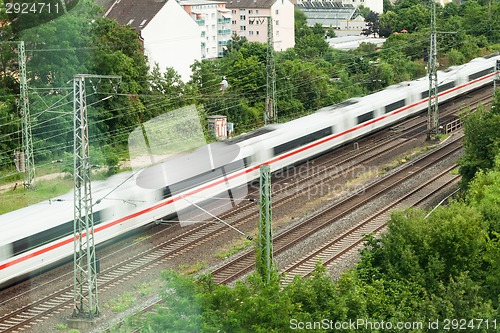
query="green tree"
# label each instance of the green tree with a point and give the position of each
(318, 29)
(388, 20)
(481, 141)
(235, 43)
(300, 22)
(373, 24)
(311, 46)
(414, 18)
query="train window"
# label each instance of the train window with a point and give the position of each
(441, 88)
(236, 165)
(365, 117)
(244, 137)
(480, 74)
(446, 86)
(47, 236)
(393, 106)
(287, 146)
(205, 177)
(41, 238)
(166, 192)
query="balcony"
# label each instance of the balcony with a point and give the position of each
(224, 32)
(223, 42)
(224, 20)
(200, 22)
(203, 33)
(221, 54)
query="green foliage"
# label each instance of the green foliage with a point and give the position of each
(61, 327)
(234, 249)
(455, 57)
(309, 76)
(121, 303)
(445, 265)
(481, 142)
(45, 190)
(373, 24)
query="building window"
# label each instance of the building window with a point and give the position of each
(256, 11)
(233, 11)
(233, 22)
(277, 33)
(242, 9)
(213, 38)
(243, 28)
(242, 17)
(250, 33)
(213, 26)
(250, 11)
(257, 32)
(277, 11)
(277, 22)
(213, 16)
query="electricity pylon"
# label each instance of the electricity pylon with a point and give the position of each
(432, 109)
(85, 295)
(271, 115)
(264, 240)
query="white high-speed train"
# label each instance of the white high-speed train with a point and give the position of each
(40, 235)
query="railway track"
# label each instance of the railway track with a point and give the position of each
(353, 238)
(26, 316)
(244, 263)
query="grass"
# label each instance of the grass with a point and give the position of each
(241, 244)
(443, 137)
(61, 327)
(140, 239)
(191, 269)
(44, 190)
(121, 303)
(403, 159)
(146, 288)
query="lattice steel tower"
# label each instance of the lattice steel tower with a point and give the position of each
(29, 161)
(265, 241)
(85, 275)
(86, 303)
(432, 109)
(271, 115)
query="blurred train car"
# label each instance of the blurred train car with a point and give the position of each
(40, 235)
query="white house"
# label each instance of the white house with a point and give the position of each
(170, 36)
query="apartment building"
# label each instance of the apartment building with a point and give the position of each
(214, 19)
(249, 19)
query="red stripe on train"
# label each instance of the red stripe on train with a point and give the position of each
(239, 174)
